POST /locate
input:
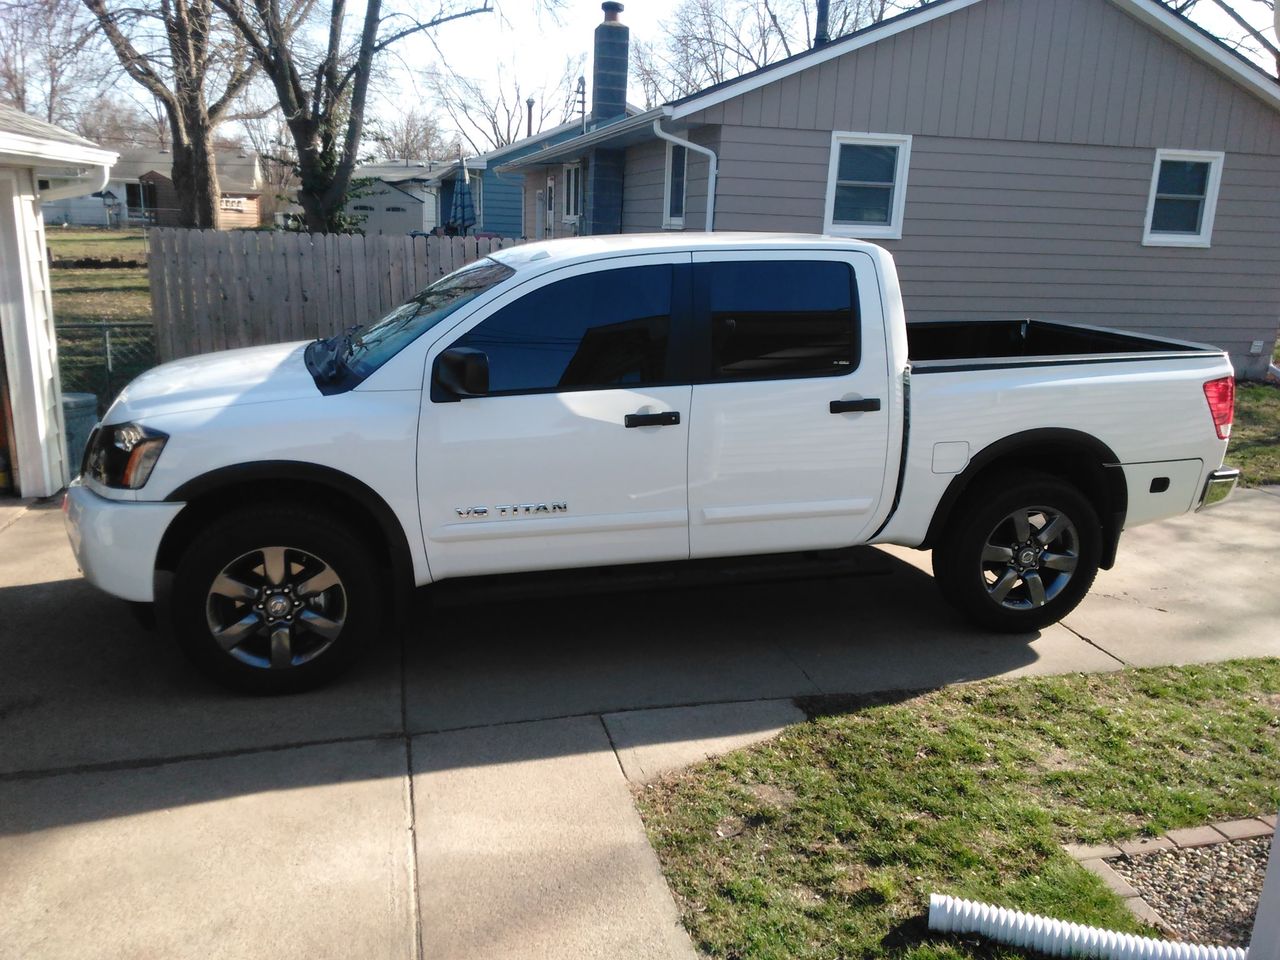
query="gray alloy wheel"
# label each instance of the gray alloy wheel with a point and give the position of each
(1030, 557)
(276, 608)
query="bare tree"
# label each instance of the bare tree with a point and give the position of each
(708, 41)
(267, 135)
(195, 69)
(491, 113)
(412, 135)
(323, 88)
(1251, 18)
(52, 60)
(117, 122)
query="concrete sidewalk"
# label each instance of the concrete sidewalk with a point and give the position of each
(472, 799)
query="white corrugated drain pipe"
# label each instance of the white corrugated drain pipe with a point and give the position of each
(711, 168)
(1057, 938)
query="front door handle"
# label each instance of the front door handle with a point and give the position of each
(867, 405)
(667, 419)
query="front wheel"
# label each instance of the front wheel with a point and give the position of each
(1021, 555)
(276, 600)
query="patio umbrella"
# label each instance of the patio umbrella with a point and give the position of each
(463, 213)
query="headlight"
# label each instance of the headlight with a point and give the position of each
(123, 455)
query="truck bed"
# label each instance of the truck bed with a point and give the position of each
(971, 384)
(937, 345)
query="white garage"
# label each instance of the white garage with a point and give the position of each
(31, 429)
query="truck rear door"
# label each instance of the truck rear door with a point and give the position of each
(790, 427)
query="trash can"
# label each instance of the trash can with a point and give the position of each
(80, 412)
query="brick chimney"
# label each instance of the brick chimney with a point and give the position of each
(608, 105)
(609, 67)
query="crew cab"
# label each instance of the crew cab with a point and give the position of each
(627, 400)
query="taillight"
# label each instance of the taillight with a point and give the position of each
(1221, 395)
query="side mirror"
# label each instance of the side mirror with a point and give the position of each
(463, 372)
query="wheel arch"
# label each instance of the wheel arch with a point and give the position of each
(222, 489)
(1072, 455)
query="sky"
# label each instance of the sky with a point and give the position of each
(518, 36)
(536, 43)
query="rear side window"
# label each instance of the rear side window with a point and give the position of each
(605, 329)
(779, 319)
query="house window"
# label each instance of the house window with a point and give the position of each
(231, 203)
(572, 192)
(363, 208)
(1183, 197)
(675, 187)
(867, 185)
(549, 226)
(395, 210)
(476, 183)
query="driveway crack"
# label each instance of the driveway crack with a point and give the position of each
(1098, 647)
(415, 897)
(612, 746)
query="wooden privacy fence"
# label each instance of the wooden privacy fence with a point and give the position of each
(215, 290)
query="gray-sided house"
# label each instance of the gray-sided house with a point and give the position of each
(1102, 161)
(396, 196)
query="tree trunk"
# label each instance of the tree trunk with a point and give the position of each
(195, 177)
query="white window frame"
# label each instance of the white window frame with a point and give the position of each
(575, 194)
(669, 222)
(1202, 239)
(883, 231)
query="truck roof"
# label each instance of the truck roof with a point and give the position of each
(546, 253)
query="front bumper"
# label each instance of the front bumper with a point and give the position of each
(1218, 487)
(116, 541)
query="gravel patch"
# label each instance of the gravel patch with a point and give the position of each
(1206, 894)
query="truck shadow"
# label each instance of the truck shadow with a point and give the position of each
(100, 718)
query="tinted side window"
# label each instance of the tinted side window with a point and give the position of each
(603, 329)
(780, 319)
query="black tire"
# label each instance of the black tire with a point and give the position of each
(301, 649)
(1000, 595)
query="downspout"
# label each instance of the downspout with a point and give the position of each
(711, 167)
(78, 188)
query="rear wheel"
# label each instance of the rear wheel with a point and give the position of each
(1021, 554)
(276, 600)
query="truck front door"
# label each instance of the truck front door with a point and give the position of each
(790, 403)
(577, 452)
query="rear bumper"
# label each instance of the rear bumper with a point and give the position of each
(1218, 487)
(115, 541)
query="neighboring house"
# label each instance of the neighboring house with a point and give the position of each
(396, 196)
(1103, 161)
(31, 423)
(141, 191)
(496, 197)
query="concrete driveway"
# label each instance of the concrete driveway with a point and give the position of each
(466, 793)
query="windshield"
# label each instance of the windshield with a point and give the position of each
(344, 360)
(373, 347)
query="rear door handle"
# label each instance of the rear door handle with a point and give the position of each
(867, 405)
(668, 419)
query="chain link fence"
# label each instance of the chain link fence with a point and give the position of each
(101, 358)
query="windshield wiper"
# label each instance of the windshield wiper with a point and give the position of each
(327, 359)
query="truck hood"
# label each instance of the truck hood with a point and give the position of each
(228, 378)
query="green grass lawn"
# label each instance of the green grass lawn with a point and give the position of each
(74, 243)
(81, 296)
(1255, 435)
(827, 841)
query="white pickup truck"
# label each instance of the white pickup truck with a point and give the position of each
(626, 400)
